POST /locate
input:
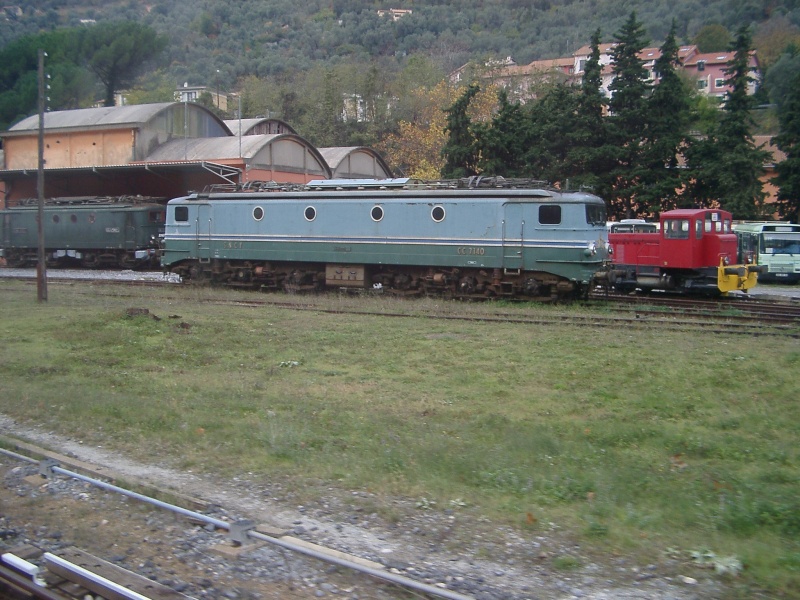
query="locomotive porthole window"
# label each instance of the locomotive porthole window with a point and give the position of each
(310, 213)
(376, 213)
(73, 218)
(437, 214)
(56, 218)
(258, 213)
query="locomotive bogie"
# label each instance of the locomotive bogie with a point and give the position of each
(114, 235)
(476, 243)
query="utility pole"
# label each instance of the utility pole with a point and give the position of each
(41, 266)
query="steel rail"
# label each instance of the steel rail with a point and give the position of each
(50, 466)
(28, 585)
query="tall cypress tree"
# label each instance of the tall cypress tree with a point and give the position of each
(788, 140)
(551, 122)
(629, 118)
(726, 166)
(661, 182)
(587, 162)
(460, 151)
(501, 144)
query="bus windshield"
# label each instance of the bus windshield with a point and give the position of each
(781, 243)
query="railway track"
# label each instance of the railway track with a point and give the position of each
(73, 574)
(733, 315)
(27, 571)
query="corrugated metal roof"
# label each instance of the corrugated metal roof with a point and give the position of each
(248, 126)
(106, 116)
(335, 155)
(213, 148)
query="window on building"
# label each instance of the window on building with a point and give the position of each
(702, 84)
(719, 82)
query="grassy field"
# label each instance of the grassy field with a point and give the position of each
(638, 442)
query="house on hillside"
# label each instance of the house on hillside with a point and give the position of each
(776, 156)
(395, 13)
(648, 55)
(708, 70)
(192, 93)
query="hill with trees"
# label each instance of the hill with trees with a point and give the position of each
(221, 43)
(342, 74)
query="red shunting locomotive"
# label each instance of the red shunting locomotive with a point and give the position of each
(693, 251)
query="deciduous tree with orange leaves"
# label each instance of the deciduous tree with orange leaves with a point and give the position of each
(416, 148)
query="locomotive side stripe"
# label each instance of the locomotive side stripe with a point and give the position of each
(580, 244)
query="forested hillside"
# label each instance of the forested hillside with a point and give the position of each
(342, 74)
(226, 40)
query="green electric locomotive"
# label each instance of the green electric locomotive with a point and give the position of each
(474, 239)
(84, 233)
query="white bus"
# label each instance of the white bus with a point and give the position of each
(773, 244)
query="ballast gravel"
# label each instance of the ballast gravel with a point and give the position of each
(452, 548)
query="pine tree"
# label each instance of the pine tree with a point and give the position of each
(551, 123)
(726, 166)
(788, 140)
(587, 162)
(500, 145)
(662, 180)
(460, 151)
(628, 120)
(117, 52)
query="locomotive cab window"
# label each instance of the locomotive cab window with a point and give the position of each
(181, 214)
(698, 228)
(550, 214)
(676, 229)
(437, 214)
(595, 214)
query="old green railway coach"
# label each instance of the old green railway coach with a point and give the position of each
(410, 239)
(86, 234)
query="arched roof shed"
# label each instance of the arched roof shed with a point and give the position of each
(68, 132)
(258, 126)
(355, 162)
(98, 151)
(283, 157)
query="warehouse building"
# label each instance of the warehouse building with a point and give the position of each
(161, 150)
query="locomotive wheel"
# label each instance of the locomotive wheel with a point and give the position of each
(196, 273)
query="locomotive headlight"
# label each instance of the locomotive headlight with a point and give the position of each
(591, 249)
(725, 260)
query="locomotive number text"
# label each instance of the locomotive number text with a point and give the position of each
(471, 251)
(232, 245)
